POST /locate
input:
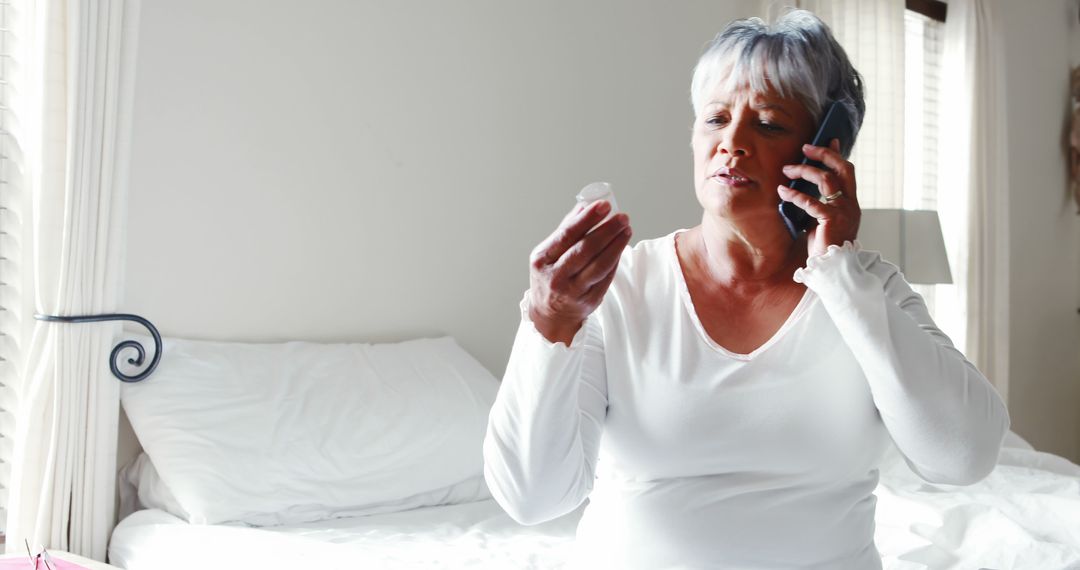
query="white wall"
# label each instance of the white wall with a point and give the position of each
(352, 171)
(371, 171)
(1041, 42)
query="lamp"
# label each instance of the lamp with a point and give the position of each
(909, 238)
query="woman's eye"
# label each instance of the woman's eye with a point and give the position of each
(715, 121)
(771, 127)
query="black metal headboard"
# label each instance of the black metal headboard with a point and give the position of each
(114, 357)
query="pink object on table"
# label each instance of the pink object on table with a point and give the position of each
(23, 563)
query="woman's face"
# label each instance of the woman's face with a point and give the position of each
(741, 141)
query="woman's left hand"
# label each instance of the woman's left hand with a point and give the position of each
(838, 216)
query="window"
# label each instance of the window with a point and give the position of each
(923, 51)
(10, 228)
(922, 73)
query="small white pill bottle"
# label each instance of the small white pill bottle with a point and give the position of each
(598, 191)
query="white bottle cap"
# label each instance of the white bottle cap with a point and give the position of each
(598, 191)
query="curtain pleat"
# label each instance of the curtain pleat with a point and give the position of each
(973, 184)
(64, 469)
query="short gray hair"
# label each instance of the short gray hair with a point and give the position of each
(796, 56)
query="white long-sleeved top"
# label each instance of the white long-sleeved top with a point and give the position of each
(693, 456)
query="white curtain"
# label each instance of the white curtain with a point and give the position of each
(972, 195)
(872, 34)
(81, 61)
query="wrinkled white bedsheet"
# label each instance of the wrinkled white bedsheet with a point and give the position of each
(1025, 515)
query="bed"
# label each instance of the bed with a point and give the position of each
(253, 460)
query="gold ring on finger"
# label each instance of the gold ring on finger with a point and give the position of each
(831, 197)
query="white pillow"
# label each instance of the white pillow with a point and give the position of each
(142, 488)
(294, 432)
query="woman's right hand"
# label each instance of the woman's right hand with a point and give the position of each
(572, 269)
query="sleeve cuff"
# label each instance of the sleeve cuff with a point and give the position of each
(840, 279)
(575, 343)
(834, 258)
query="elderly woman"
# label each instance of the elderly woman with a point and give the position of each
(724, 395)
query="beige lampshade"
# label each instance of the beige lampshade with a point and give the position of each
(909, 238)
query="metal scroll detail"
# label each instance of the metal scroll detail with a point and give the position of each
(114, 357)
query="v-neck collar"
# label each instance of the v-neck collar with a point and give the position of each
(805, 302)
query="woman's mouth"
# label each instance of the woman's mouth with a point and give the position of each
(731, 177)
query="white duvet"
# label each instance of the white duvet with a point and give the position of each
(1025, 515)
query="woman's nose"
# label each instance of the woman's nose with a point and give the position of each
(734, 141)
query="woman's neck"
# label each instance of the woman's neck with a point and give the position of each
(749, 255)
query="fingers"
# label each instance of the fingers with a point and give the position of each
(827, 155)
(573, 227)
(603, 264)
(813, 206)
(830, 156)
(596, 293)
(584, 252)
(827, 181)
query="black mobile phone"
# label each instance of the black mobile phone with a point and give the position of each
(835, 125)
